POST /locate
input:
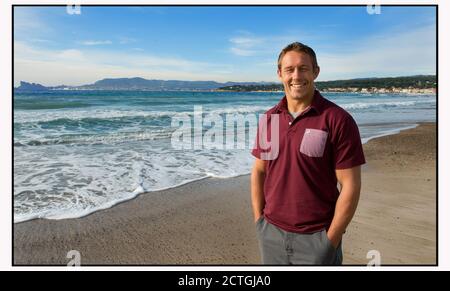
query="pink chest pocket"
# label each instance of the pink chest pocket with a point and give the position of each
(313, 142)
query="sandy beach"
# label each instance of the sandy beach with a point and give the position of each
(210, 221)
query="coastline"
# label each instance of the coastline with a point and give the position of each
(210, 221)
(409, 92)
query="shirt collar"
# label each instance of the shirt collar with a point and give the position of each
(316, 103)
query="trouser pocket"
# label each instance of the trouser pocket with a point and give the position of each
(330, 253)
(322, 251)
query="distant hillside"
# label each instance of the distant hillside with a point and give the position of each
(142, 84)
(24, 86)
(355, 85)
(419, 82)
(364, 84)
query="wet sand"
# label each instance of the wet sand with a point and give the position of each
(210, 221)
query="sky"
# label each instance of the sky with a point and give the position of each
(55, 46)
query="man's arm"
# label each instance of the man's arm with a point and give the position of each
(257, 187)
(350, 181)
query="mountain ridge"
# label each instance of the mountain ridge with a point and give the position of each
(138, 83)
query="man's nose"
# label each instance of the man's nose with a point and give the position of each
(296, 73)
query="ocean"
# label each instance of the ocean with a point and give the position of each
(77, 152)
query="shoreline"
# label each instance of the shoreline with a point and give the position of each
(139, 191)
(427, 91)
(350, 92)
(209, 221)
(390, 132)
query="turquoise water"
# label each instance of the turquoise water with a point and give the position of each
(76, 152)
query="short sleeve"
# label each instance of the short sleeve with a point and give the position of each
(348, 150)
(266, 148)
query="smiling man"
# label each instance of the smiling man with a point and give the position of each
(300, 213)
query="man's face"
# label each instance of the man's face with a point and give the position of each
(297, 75)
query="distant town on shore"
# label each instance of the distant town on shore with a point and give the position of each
(407, 84)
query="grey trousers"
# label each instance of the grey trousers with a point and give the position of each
(279, 247)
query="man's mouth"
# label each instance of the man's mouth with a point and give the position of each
(299, 85)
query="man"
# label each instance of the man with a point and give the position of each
(299, 212)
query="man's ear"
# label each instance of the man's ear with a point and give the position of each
(316, 72)
(279, 74)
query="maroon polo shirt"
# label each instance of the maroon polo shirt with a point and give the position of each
(300, 186)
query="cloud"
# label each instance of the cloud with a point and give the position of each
(70, 54)
(23, 51)
(41, 40)
(82, 66)
(249, 44)
(242, 52)
(246, 41)
(397, 52)
(95, 42)
(26, 19)
(245, 45)
(387, 54)
(126, 40)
